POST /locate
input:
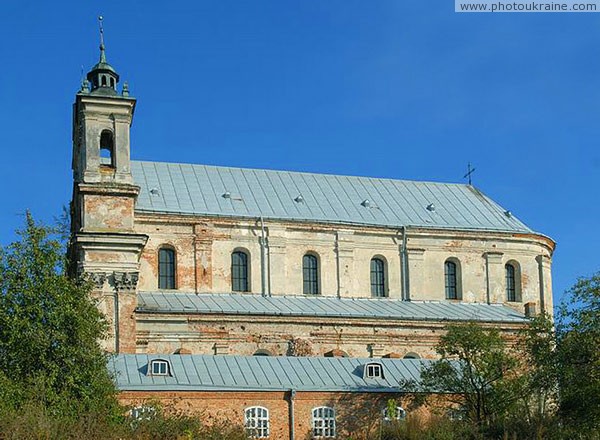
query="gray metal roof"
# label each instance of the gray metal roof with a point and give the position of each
(261, 373)
(238, 192)
(383, 308)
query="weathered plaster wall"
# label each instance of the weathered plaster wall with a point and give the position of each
(204, 259)
(245, 335)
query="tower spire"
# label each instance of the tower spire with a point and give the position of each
(102, 52)
(103, 76)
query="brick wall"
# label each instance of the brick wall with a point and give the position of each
(356, 413)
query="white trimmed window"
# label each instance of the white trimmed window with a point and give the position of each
(323, 422)
(142, 413)
(256, 421)
(399, 414)
(373, 370)
(159, 367)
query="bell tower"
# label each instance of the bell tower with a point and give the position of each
(102, 119)
(105, 247)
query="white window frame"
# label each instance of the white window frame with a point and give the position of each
(400, 414)
(373, 370)
(323, 422)
(142, 412)
(256, 422)
(156, 370)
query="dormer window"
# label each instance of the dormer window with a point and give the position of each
(160, 367)
(373, 370)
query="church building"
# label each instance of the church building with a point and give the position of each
(285, 301)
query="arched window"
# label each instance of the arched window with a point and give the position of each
(398, 413)
(256, 421)
(103, 80)
(310, 274)
(452, 278)
(166, 268)
(262, 352)
(412, 355)
(107, 148)
(511, 282)
(378, 282)
(323, 422)
(239, 272)
(112, 83)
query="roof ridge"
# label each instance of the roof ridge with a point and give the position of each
(311, 173)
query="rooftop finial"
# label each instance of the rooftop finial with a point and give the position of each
(470, 171)
(102, 53)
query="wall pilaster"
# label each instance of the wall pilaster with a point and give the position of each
(417, 276)
(545, 283)
(495, 277)
(277, 273)
(345, 263)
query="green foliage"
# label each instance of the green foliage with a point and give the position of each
(392, 409)
(54, 383)
(535, 410)
(181, 426)
(434, 428)
(49, 328)
(477, 369)
(578, 355)
(547, 387)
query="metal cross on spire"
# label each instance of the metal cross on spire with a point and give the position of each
(102, 54)
(470, 171)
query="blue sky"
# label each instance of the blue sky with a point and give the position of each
(402, 89)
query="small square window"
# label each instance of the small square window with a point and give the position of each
(373, 371)
(159, 368)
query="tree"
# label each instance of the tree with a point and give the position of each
(478, 371)
(49, 327)
(536, 410)
(578, 355)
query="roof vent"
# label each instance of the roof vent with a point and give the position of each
(430, 207)
(226, 195)
(508, 213)
(366, 203)
(299, 199)
(154, 191)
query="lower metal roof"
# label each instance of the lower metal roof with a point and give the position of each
(261, 373)
(322, 306)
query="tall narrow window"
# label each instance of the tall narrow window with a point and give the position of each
(256, 421)
(310, 274)
(378, 277)
(166, 268)
(511, 284)
(450, 273)
(106, 148)
(239, 271)
(323, 422)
